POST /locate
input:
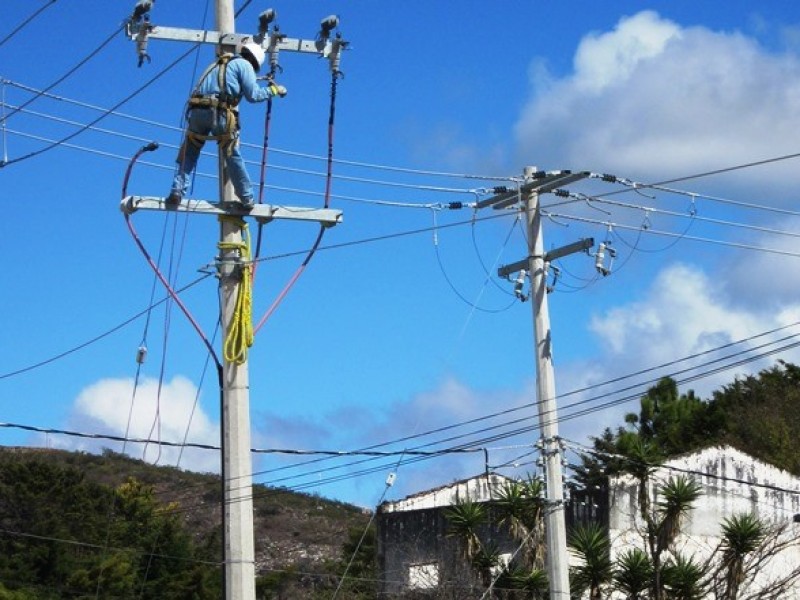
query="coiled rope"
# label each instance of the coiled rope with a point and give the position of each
(240, 333)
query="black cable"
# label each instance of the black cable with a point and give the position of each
(103, 115)
(102, 335)
(26, 21)
(82, 62)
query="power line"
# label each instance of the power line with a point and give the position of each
(696, 217)
(315, 157)
(673, 235)
(739, 167)
(22, 25)
(70, 72)
(103, 115)
(99, 337)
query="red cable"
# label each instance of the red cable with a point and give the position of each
(318, 241)
(149, 148)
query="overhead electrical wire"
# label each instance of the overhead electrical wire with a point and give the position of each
(474, 305)
(390, 168)
(562, 417)
(651, 231)
(100, 336)
(414, 452)
(167, 284)
(103, 115)
(70, 71)
(27, 21)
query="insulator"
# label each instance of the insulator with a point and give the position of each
(561, 193)
(141, 354)
(455, 205)
(500, 189)
(390, 479)
(609, 178)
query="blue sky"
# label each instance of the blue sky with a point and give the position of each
(395, 330)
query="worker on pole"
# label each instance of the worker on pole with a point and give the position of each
(213, 115)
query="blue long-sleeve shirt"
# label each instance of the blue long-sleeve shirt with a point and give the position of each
(240, 81)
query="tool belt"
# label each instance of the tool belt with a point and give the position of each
(212, 101)
(229, 138)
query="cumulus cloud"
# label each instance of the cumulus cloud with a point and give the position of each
(652, 99)
(685, 312)
(106, 406)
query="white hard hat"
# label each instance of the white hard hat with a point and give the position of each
(256, 51)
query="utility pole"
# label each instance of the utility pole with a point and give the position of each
(239, 543)
(536, 264)
(555, 525)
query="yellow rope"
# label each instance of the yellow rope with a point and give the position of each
(240, 330)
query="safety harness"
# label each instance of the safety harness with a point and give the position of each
(221, 102)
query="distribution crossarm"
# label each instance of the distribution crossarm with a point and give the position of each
(322, 47)
(542, 182)
(328, 217)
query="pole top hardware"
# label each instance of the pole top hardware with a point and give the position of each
(542, 181)
(275, 41)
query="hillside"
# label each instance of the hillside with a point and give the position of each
(294, 532)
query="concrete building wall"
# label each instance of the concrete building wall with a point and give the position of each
(735, 483)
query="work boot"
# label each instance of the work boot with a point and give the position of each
(174, 198)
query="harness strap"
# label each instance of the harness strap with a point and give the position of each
(227, 139)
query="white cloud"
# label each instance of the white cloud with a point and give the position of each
(602, 60)
(651, 99)
(106, 406)
(685, 312)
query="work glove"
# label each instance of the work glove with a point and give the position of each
(277, 90)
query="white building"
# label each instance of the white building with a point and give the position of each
(732, 483)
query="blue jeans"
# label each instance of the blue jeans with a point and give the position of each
(207, 121)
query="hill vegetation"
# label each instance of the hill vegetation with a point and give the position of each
(76, 525)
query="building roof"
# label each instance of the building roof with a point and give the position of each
(480, 488)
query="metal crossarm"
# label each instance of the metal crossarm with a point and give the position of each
(542, 183)
(261, 212)
(176, 34)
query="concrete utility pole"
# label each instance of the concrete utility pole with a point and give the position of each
(536, 264)
(239, 543)
(555, 526)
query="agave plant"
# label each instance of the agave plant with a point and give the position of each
(683, 579)
(679, 494)
(634, 574)
(520, 507)
(591, 543)
(534, 583)
(741, 535)
(463, 519)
